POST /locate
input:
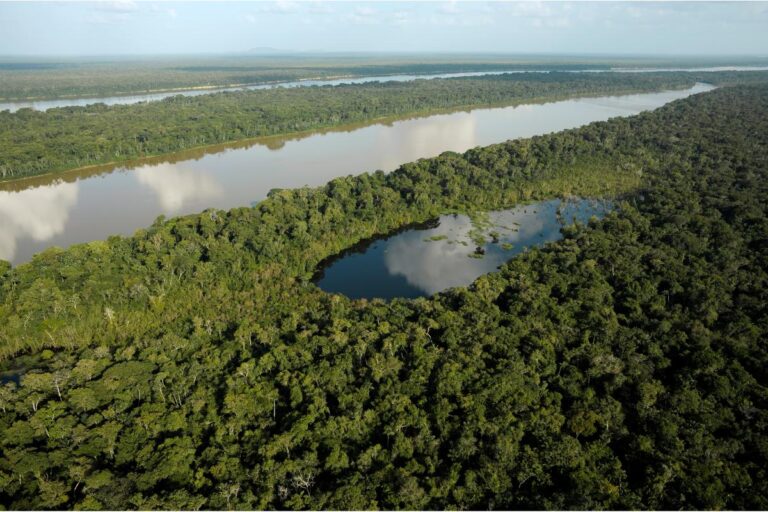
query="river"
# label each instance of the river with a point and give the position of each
(130, 99)
(13, 106)
(61, 210)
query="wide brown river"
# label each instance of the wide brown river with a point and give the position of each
(88, 205)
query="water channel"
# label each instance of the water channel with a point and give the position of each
(156, 96)
(64, 209)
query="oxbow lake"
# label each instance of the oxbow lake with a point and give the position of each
(442, 254)
(81, 206)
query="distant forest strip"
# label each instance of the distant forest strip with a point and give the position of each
(34, 142)
(192, 365)
(22, 79)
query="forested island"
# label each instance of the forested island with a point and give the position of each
(33, 142)
(195, 365)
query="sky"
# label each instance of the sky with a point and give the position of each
(156, 27)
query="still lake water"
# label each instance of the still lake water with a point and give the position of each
(430, 258)
(80, 206)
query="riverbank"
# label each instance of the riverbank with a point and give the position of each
(60, 210)
(111, 127)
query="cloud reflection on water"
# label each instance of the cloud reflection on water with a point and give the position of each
(435, 266)
(427, 137)
(38, 213)
(438, 265)
(176, 187)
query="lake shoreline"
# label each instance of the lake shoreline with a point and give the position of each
(407, 263)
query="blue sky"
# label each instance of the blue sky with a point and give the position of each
(153, 27)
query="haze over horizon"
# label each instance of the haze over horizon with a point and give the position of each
(599, 28)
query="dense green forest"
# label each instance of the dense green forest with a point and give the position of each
(25, 78)
(195, 365)
(33, 142)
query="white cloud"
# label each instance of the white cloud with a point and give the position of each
(278, 7)
(118, 6)
(550, 22)
(401, 17)
(363, 16)
(365, 11)
(318, 7)
(310, 11)
(543, 14)
(125, 11)
(164, 10)
(450, 8)
(465, 20)
(107, 18)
